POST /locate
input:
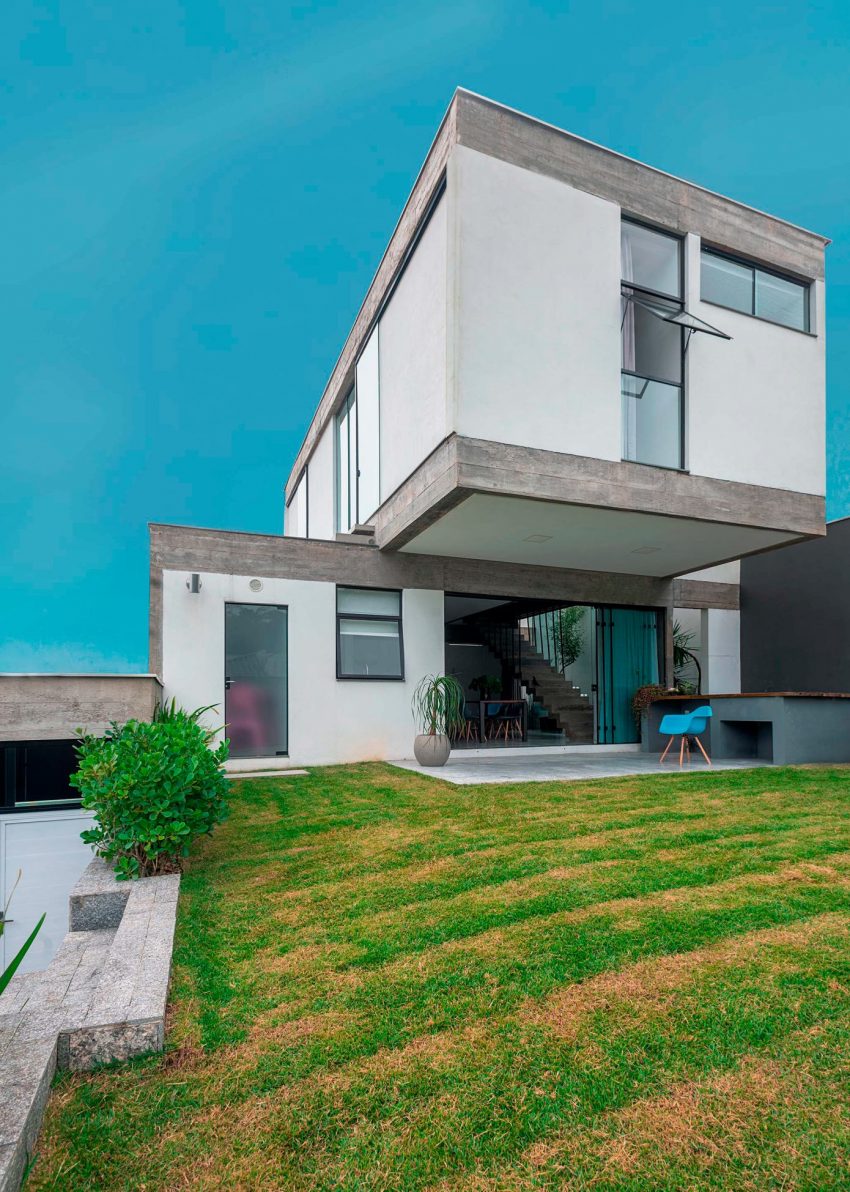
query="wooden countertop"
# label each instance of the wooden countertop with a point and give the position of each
(757, 695)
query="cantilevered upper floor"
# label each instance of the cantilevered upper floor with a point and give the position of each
(570, 358)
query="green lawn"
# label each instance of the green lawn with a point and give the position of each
(386, 982)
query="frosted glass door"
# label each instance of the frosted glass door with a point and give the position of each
(256, 698)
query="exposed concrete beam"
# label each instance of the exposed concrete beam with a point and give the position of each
(53, 707)
(703, 593)
(185, 548)
(639, 189)
(504, 469)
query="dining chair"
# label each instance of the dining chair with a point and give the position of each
(685, 725)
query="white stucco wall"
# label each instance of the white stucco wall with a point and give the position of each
(723, 573)
(756, 404)
(535, 293)
(413, 359)
(322, 487)
(295, 522)
(330, 720)
(720, 654)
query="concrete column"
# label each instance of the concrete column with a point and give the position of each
(720, 654)
(667, 678)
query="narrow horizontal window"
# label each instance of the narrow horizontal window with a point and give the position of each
(781, 301)
(369, 641)
(727, 283)
(745, 287)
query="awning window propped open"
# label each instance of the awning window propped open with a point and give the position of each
(673, 313)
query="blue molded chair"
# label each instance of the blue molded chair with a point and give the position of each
(686, 725)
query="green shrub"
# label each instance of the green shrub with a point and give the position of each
(153, 788)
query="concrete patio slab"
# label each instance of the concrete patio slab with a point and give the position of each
(505, 766)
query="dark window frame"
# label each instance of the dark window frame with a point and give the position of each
(349, 406)
(629, 286)
(706, 250)
(346, 616)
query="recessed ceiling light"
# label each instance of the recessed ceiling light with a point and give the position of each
(537, 538)
(645, 550)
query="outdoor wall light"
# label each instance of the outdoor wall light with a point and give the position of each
(193, 583)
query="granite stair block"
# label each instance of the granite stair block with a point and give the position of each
(102, 998)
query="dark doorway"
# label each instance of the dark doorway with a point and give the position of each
(36, 774)
(538, 672)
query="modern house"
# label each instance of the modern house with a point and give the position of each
(577, 393)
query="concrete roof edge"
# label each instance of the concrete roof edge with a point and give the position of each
(824, 240)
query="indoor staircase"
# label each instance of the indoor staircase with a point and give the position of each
(564, 703)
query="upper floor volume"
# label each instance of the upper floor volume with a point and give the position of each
(568, 357)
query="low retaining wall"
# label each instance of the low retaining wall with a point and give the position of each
(786, 728)
(103, 997)
(52, 707)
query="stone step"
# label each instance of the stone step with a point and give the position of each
(101, 998)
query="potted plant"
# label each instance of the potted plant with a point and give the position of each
(438, 707)
(487, 686)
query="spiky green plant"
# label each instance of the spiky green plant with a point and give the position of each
(684, 653)
(438, 703)
(8, 973)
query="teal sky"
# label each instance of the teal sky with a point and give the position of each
(194, 197)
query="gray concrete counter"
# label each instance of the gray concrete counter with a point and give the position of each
(786, 727)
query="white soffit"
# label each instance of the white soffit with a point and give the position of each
(517, 530)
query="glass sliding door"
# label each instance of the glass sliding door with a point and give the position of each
(628, 655)
(256, 663)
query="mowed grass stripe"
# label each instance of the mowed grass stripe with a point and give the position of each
(397, 1009)
(443, 821)
(309, 979)
(780, 1118)
(364, 1055)
(350, 1128)
(381, 935)
(344, 900)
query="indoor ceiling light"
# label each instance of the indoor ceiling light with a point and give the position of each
(537, 538)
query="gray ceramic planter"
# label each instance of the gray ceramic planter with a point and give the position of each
(432, 749)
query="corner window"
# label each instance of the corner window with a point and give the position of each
(652, 373)
(357, 434)
(346, 465)
(368, 634)
(753, 291)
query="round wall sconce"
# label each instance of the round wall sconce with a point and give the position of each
(256, 585)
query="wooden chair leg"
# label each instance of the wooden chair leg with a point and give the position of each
(681, 751)
(666, 750)
(702, 751)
